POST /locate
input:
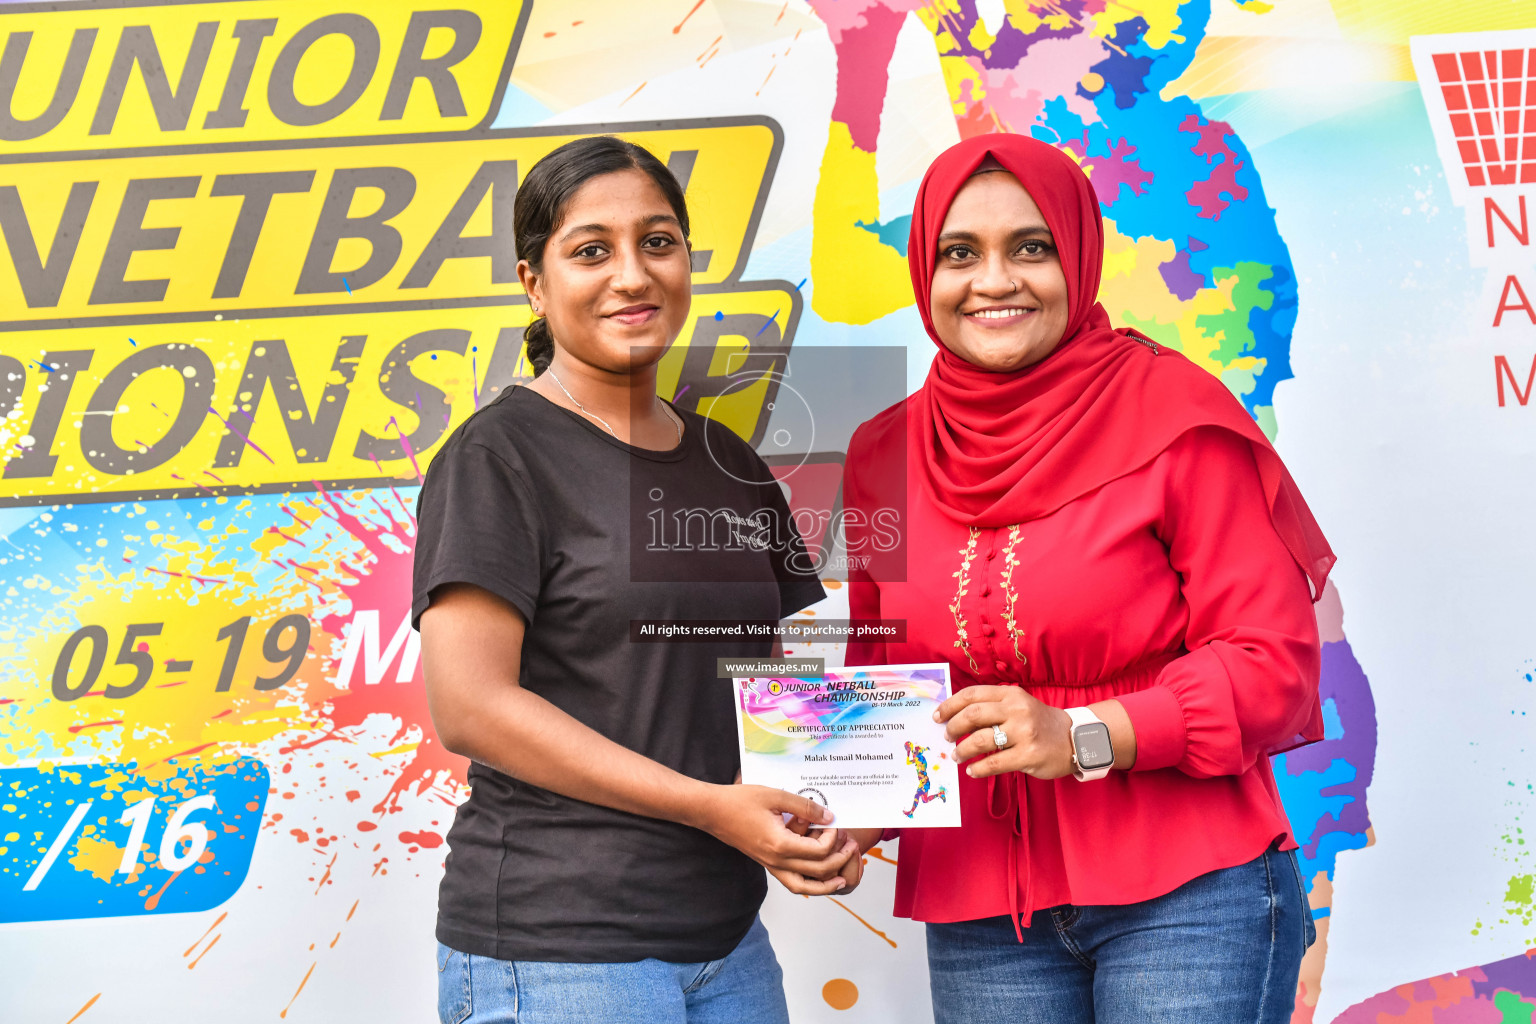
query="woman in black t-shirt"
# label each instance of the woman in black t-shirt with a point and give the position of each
(605, 867)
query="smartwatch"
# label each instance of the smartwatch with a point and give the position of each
(1092, 753)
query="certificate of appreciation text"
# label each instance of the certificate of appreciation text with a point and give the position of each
(861, 742)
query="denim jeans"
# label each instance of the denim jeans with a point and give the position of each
(1224, 948)
(745, 985)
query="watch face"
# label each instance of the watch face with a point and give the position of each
(1093, 749)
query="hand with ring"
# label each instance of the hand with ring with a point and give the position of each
(1004, 729)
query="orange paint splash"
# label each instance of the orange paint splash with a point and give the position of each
(204, 953)
(154, 901)
(879, 854)
(840, 993)
(89, 1003)
(679, 26)
(307, 973)
(327, 876)
(632, 95)
(203, 936)
(863, 922)
(426, 840)
(353, 910)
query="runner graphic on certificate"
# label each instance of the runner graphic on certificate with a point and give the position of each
(860, 741)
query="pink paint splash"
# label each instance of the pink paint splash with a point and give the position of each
(194, 483)
(1213, 138)
(241, 436)
(1109, 173)
(1213, 194)
(405, 443)
(863, 32)
(366, 565)
(383, 582)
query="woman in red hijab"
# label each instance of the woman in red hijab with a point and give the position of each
(1120, 572)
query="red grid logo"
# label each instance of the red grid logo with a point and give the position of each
(1489, 93)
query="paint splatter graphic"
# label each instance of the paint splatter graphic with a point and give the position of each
(1501, 991)
(274, 627)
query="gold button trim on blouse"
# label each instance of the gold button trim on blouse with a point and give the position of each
(1010, 562)
(962, 582)
(963, 577)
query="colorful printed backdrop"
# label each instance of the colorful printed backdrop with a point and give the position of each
(258, 265)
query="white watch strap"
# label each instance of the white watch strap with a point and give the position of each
(1079, 717)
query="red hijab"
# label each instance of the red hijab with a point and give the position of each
(1004, 448)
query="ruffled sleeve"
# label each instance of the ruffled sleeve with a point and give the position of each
(1248, 686)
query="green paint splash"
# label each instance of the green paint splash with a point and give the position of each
(1514, 1009)
(1518, 898)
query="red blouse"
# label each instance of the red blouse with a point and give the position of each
(1168, 589)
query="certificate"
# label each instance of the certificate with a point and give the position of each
(861, 742)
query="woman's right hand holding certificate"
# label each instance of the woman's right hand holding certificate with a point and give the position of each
(751, 819)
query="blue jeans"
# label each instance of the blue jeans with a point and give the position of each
(1224, 948)
(746, 985)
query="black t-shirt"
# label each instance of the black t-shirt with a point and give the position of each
(582, 534)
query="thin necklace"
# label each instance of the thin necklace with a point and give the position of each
(677, 424)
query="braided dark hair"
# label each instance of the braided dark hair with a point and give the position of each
(548, 188)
